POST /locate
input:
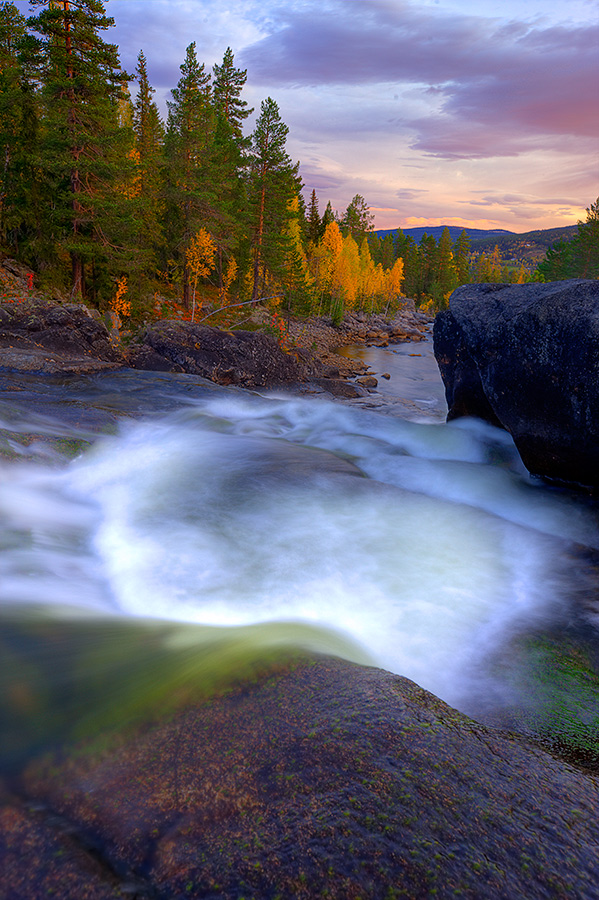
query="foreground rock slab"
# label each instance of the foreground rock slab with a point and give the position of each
(243, 358)
(526, 357)
(325, 779)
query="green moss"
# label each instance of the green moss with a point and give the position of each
(562, 683)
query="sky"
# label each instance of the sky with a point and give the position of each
(481, 114)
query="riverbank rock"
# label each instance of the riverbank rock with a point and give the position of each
(526, 357)
(246, 358)
(38, 336)
(325, 779)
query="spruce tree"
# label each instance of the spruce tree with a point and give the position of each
(315, 231)
(328, 216)
(584, 258)
(273, 184)
(428, 264)
(407, 249)
(82, 147)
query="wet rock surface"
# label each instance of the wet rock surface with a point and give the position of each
(322, 778)
(526, 357)
(39, 858)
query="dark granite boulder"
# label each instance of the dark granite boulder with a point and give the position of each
(37, 336)
(526, 357)
(244, 358)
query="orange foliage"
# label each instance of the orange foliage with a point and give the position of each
(228, 279)
(118, 304)
(200, 261)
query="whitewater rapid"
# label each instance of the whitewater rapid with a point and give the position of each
(425, 547)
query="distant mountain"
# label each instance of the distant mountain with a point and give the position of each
(529, 247)
(542, 238)
(437, 230)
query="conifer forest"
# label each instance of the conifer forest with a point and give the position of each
(105, 202)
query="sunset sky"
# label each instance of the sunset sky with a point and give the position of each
(478, 113)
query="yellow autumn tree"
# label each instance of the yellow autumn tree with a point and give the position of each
(228, 278)
(369, 281)
(346, 273)
(393, 283)
(324, 259)
(200, 261)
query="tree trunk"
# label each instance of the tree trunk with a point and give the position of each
(258, 253)
(78, 276)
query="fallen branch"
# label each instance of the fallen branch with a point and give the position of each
(233, 305)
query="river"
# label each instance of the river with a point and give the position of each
(221, 519)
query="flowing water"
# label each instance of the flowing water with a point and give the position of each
(241, 520)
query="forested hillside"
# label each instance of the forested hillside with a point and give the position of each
(103, 201)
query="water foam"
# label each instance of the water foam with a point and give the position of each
(208, 517)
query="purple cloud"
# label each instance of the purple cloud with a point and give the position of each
(495, 87)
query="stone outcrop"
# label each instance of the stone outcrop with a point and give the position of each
(526, 357)
(318, 778)
(248, 359)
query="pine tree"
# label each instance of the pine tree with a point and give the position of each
(387, 256)
(82, 145)
(358, 219)
(428, 260)
(18, 131)
(585, 245)
(578, 257)
(230, 159)
(446, 275)
(461, 253)
(148, 157)
(189, 150)
(274, 182)
(328, 216)
(228, 84)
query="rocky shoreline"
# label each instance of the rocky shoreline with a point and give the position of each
(41, 335)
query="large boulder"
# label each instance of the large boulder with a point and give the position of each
(321, 779)
(249, 359)
(37, 336)
(526, 357)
